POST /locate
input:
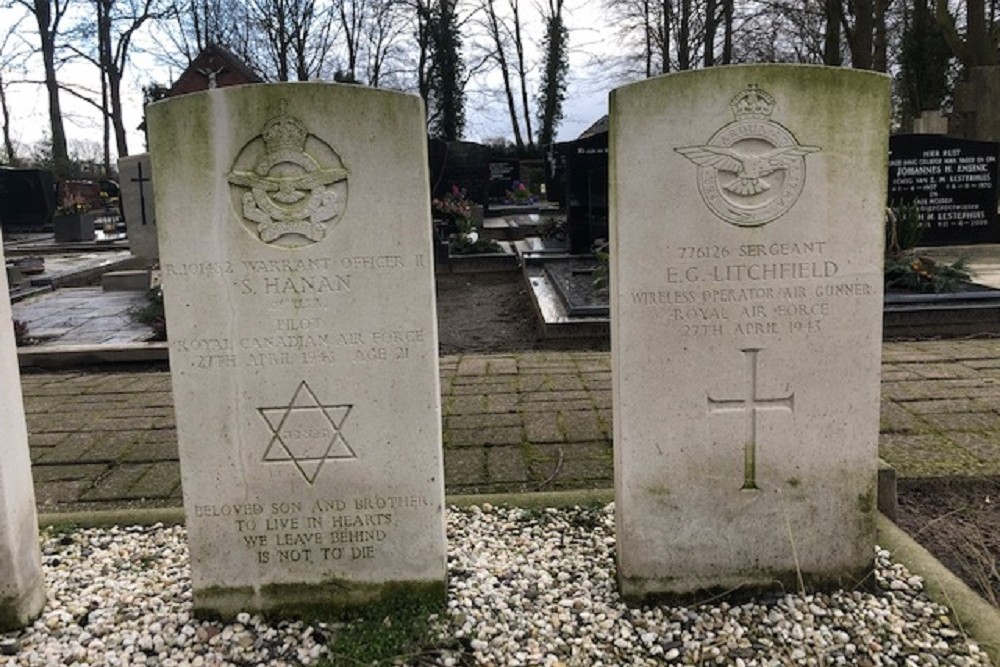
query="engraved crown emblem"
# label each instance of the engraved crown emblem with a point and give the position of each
(752, 103)
(284, 133)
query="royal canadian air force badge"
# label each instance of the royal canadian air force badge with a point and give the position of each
(752, 170)
(288, 186)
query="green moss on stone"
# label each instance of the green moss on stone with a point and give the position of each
(331, 598)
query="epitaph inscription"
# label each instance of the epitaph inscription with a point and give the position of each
(289, 186)
(752, 170)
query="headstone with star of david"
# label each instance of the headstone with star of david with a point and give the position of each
(747, 211)
(135, 175)
(22, 587)
(299, 295)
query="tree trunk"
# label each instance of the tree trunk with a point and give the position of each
(501, 58)
(647, 25)
(522, 73)
(880, 53)
(684, 37)
(423, 52)
(831, 42)
(978, 33)
(47, 25)
(860, 35)
(8, 144)
(727, 30)
(103, 37)
(711, 23)
(667, 8)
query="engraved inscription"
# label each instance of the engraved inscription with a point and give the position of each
(750, 403)
(288, 186)
(306, 432)
(330, 530)
(750, 290)
(752, 170)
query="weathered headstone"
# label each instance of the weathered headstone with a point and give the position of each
(953, 183)
(22, 588)
(747, 227)
(299, 297)
(135, 174)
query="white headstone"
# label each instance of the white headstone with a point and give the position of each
(295, 242)
(22, 588)
(135, 174)
(747, 230)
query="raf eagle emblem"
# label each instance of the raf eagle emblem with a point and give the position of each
(753, 169)
(748, 168)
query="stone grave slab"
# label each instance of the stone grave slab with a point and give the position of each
(136, 175)
(953, 183)
(747, 230)
(22, 588)
(299, 295)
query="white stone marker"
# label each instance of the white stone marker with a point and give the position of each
(22, 588)
(295, 246)
(747, 230)
(135, 175)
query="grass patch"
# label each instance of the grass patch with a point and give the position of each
(389, 632)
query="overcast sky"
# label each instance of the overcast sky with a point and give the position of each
(486, 118)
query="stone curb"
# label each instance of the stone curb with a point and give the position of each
(174, 516)
(55, 357)
(974, 616)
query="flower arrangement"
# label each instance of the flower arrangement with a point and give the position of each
(456, 209)
(905, 269)
(72, 208)
(519, 192)
(454, 206)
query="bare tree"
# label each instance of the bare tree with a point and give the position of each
(106, 43)
(500, 35)
(48, 15)
(371, 33)
(12, 57)
(644, 28)
(188, 26)
(522, 72)
(291, 32)
(863, 23)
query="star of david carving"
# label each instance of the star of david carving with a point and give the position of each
(306, 432)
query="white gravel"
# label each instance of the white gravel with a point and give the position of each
(526, 587)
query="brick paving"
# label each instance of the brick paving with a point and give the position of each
(512, 422)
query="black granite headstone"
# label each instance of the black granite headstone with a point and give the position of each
(461, 164)
(27, 199)
(953, 183)
(503, 174)
(587, 192)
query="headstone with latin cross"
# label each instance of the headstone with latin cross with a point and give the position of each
(22, 588)
(299, 295)
(747, 214)
(135, 174)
